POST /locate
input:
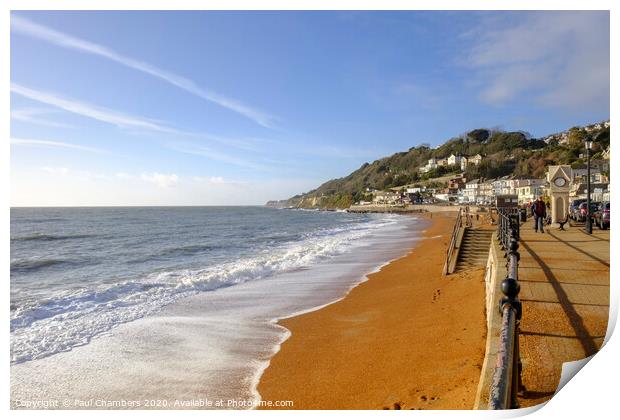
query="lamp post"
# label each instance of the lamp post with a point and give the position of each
(588, 215)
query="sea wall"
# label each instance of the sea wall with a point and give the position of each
(495, 273)
(415, 208)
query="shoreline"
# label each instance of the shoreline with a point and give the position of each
(353, 353)
(231, 337)
(277, 321)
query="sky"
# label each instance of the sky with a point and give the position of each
(237, 108)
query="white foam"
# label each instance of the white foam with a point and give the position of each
(216, 344)
(73, 318)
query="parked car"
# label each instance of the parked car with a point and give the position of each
(601, 215)
(583, 212)
(573, 209)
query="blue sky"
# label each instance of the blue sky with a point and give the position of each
(215, 108)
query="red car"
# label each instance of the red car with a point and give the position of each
(582, 210)
(601, 215)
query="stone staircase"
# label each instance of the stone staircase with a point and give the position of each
(474, 249)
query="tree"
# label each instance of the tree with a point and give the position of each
(480, 135)
(576, 137)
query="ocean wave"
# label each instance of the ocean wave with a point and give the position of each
(49, 237)
(73, 318)
(33, 264)
(177, 252)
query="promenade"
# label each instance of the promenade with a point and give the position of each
(564, 278)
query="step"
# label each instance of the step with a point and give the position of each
(473, 257)
(474, 249)
(473, 261)
(484, 250)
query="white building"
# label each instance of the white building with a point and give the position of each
(414, 190)
(528, 193)
(471, 160)
(606, 154)
(386, 197)
(454, 159)
(476, 159)
(472, 191)
(432, 164)
(485, 191)
(500, 186)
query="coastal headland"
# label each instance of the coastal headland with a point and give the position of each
(408, 338)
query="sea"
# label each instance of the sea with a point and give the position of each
(174, 307)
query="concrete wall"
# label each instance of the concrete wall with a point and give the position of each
(409, 208)
(495, 273)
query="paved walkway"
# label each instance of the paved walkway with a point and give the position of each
(564, 278)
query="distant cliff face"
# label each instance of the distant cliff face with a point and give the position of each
(277, 204)
(504, 153)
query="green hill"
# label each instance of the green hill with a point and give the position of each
(503, 153)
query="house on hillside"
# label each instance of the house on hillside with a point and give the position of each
(500, 186)
(456, 183)
(471, 160)
(414, 190)
(475, 160)
(454, 159)
(580, 190)
(580, 174)
(528, 188)
(463, 163)
(432, 164)
(472, 191)
(606, 154)
(386, 197)
(485, 191)
(414, 194)
(600, 164)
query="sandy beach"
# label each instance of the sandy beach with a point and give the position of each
(408, 338)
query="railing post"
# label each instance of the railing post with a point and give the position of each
(511, 289)
(507, 376)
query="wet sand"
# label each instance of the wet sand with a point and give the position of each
(408, 338)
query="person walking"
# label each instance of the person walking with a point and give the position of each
(539, 211)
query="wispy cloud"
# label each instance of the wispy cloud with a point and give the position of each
(73, 174)
(49, 143)
(216, 180)
(164, 180)
(559, 59)
(27, 27)
(123, 120)
(132, 122)
(160, 180)
(56, 170)
(420, 95)
(90, 111)
(217, 156)
(33, 116)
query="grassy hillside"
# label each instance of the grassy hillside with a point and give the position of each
(504, 153)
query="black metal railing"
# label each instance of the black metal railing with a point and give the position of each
(507, 226)
(507, 375)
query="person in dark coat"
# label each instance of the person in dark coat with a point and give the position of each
(539, 211)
